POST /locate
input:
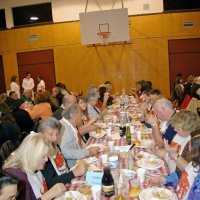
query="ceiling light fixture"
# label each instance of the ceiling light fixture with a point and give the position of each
(34, 18)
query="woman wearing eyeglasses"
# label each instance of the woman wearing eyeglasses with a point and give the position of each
(187, 186)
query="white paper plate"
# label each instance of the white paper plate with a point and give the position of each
(97, 136)
(147, 130)
(75, 194)
(128, 173)
(122, 148)
(150, 194)
(151, 163)
(94, 168)
(101, 146)
(145, 143)
(102, 124)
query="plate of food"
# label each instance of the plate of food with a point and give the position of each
(150, 163)
(72, 195)
(157, 194)
(98, 133)
(144, 143)
(143, 154)
(86, 190)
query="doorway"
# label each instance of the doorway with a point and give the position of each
(184, 58)
(38, 63)
(2, 78)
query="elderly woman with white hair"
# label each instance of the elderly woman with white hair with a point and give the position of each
(56, 169)
(93, 111)
(184, 122)
(25, 164)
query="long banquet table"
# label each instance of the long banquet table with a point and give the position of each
(161, 171)
(76, 184)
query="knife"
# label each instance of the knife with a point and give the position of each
(131, 146)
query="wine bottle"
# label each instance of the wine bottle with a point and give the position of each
(108, 183)
(128, 135)
(122, 123)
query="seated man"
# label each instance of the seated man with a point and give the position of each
(27, 96)
(164, 111)
(56, 93)
(67, 102)
(70, 140)
(13, 101)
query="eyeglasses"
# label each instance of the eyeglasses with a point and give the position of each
(178, 129)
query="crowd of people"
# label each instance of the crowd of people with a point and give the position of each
(181, 90)
(57, 124)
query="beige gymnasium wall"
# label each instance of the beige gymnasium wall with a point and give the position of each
(79, 66)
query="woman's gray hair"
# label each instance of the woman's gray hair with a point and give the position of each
(92, 89)
(51, 123)
(92, 97)
(68, 114)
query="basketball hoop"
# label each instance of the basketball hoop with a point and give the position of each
(104, 33)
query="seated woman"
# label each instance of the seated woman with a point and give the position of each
(56, 169)
(22, 118)
(9, 130)
(86, 122)
(105, 96)
(25, 164)
(188, 175)
(42, 109)
(93, 111)
(8, 187)
(53, 101)
(184, 123)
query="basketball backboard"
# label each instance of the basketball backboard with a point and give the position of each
(114, 22)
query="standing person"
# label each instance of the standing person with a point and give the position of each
(41, 84)
(28, 83)
(14, 86)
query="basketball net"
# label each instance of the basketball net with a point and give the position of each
(104, 33)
